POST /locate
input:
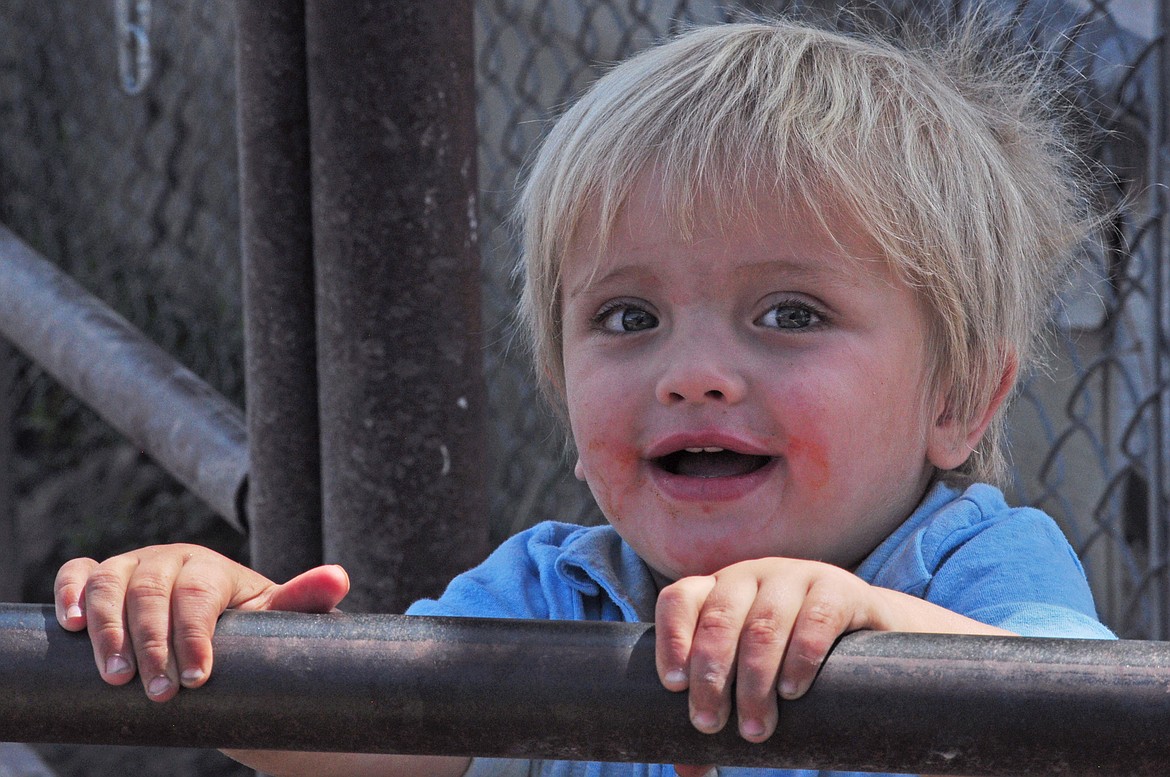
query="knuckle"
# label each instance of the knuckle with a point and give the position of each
(810, 649)
(824, 608)
(675, 597)
(102, 581)
(148, 587)
(107, 634)
(191, 634)
(76, 567)
(716, 622)
(152, 650)
(105, 596)
(676, 644)
(715, 675)
(196, 593)
(762, 631)
(688, 588)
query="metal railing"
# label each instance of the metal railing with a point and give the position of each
(160, 405)
(589, 691)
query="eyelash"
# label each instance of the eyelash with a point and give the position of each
(818, 315)
(608, 309)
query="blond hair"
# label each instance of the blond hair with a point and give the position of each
(956, 168)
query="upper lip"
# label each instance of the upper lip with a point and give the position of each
(705, 439)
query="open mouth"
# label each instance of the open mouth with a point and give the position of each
(711, 463)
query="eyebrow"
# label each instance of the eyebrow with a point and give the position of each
(836, 272)
(595, 278)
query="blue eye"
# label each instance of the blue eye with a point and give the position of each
(626, 318)
(789, 316)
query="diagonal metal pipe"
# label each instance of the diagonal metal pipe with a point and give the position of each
(588, 691)
(138, 388)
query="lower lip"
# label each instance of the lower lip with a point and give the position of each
(683, 488)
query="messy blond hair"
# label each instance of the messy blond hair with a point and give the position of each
(958, 169)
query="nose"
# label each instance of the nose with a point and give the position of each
(701, 374)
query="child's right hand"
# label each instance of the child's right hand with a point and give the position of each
(154, 610)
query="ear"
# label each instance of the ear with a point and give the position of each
(952, 439)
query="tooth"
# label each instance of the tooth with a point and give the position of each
(695, 450)
(712, 450)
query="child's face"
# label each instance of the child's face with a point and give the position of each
(752, 391)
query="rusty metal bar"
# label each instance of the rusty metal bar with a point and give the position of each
(161, 406)
(392, 118)
(284, 481)
(588, 691)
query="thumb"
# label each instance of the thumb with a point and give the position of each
(320, 589)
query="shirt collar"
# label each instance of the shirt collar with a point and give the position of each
(597, 560)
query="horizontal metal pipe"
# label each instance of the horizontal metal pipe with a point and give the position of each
(161, 406)
(588, 691)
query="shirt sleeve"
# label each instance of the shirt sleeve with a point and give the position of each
(1015, 571)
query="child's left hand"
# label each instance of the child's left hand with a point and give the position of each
(767, 625)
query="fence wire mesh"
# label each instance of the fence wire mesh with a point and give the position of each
(135, 195)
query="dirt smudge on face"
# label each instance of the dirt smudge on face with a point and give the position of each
(810, 456)
(610, 463)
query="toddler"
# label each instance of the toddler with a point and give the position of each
(779, 281)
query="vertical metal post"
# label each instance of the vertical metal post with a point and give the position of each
(392, 98)
(10, 561)
(284, 485)
(1160, 290)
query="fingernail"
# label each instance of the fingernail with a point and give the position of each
(751, 728)
(158, 686)
(789, 690)
(116, 664)
(73, 611)
(191, 676)
(676, 677)
(706, 722)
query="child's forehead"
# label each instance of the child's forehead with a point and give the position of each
(765, 222)
(764, 238)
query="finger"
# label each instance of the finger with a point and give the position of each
(675, 617)
(148, 617)
(824, 616)
(713, 652)
(104, 600)
(762, 643)
(320, 589)
(199, 595)
(69, 592)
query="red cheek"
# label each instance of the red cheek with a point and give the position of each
(613, 463)
(810, 456)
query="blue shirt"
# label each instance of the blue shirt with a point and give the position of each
(968, 552)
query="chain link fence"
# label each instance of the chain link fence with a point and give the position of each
(118, 135)
(134, 195)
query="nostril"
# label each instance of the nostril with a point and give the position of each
(714, 394)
